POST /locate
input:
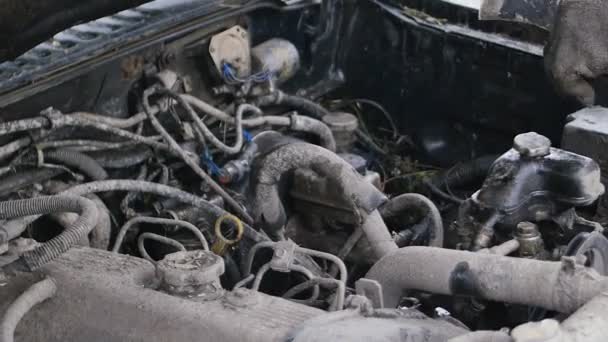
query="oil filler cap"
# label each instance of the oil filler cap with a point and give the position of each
(532, 145)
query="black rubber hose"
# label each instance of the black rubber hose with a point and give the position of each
(405, 202)
(301, 104)
(465, 173)
(73, 160)
(48, 251)
(305, 106)
(25, 178)
(118, 159)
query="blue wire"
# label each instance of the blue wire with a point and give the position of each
(207, 160)
(247, 135)
(230, 76)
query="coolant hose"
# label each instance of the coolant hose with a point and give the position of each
(301, 104)
(310, 125)
(35, 294)
(560, 286)
(402, 203)
(359, 196)
(118, 159)
(378, 235)
(72, 159)
(58, 245)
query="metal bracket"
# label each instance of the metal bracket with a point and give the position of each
(283, 257)
(372, 290)
(232, 46)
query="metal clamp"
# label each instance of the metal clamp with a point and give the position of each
(283, 257)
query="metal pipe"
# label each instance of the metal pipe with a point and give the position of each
(156, 220)
(159, 238)
(565, 285)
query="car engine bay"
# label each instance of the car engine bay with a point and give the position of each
(301, 171)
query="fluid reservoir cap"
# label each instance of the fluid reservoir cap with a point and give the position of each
(340, 121)
(191, 268)
(532, 145)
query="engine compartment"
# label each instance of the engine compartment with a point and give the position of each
(334, 171)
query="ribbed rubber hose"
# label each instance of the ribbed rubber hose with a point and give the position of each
(35, 294)
(80, 229)
(14, 228)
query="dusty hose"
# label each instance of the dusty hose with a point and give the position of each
(313, 126)
(26, 178)
(100, 235)
(58, 245)
(177, 150)
(209, 136)
(35, 294)
(301, 104)
(87, 145)
(297, 123)
(124, 158)
(116, 122)
(59, 120)
(378, 235)
(565, 285)
(72, 159)
(359, 196)
(397, 205)
(210, 212)
(14, 146)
